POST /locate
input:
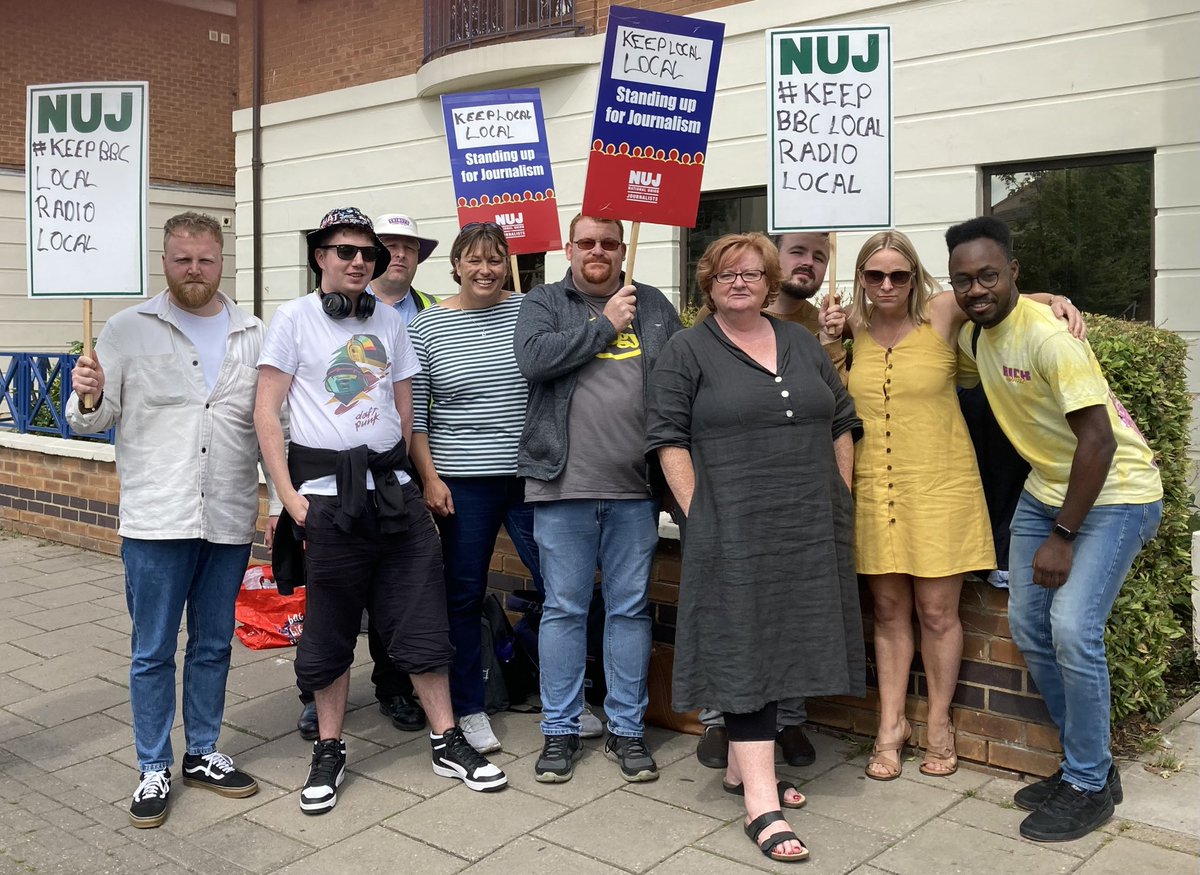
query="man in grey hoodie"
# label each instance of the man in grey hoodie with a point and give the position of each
(587, 346)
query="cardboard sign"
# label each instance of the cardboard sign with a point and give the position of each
(829, 94)
(500, 164)
(653, 109)
(86, 183)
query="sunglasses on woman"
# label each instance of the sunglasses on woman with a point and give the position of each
(346, 251)
(876, 277)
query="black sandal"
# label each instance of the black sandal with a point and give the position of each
(784, 786)
(768, 845)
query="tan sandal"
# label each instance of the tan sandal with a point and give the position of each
(941, 762)
(893, 770)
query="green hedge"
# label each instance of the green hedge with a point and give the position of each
(1146, 369)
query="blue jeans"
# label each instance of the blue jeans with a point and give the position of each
(1061, 631)
(574, 536)
(161, 577)
(481, 504)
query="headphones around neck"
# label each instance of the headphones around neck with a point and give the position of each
(339, 306)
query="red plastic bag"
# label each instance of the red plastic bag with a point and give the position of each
(268, 619)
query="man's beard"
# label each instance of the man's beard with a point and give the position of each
(801, 290)
(193, 295)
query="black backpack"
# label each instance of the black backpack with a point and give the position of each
(509, 675)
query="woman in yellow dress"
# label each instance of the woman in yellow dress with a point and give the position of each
(921, 520)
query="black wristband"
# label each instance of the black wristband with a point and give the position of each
(1065, 533)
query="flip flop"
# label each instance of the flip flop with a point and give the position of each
(768, 845)
(783, 787)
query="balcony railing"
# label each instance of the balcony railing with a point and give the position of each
(35, 392)
(460, 24)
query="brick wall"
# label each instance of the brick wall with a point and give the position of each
(193, 81)
(72, 501)
(1000, 719)
(313, 46)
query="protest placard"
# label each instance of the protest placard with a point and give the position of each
(86, 183)
(653, 108)
(829, 95)
(500, 165)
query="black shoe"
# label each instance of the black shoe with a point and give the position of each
(713, 748)
(1031, 797)
(149, 807)
(325, 775)
(633, 757)
(453, 757)
(557, 762)
(307, 724)
(406, 714)
(797, 749)
(1069, 813)
(216, 772)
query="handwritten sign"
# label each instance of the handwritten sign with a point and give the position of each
(653, 109)
(830, 103)
(86, 181)
(500, 165)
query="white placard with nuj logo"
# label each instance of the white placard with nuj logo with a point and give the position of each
(86, 189)
(829, 95)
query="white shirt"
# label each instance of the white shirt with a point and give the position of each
(187, 457)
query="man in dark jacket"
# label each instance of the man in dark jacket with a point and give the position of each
(587, 345)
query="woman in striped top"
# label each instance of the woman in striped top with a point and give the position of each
(468, 413)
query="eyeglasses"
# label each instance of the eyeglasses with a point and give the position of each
(587, 244)
(876, 277)
(727, 277)
(346, 251)
(987, 279)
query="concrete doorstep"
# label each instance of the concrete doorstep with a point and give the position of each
(67, 775)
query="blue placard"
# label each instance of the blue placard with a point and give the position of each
(653, 109)
(500, 165)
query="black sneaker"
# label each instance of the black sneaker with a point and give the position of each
(797, 749)
(1031, 797)
(149, 807)
(557, 762)
(215, 771)
(633, 757)
(453, 757)
(307, 723)
(1069, 813)
(712, 750)
(406, 714)
(325, 775)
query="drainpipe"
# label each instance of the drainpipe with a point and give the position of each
(256, 164)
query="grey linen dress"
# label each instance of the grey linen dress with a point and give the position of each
(768, 599)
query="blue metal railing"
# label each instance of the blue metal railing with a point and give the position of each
(35, 392)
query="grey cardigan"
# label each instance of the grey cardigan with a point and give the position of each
(554, 338)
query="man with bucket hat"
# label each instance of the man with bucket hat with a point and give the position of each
(344, 366)
(408, 249)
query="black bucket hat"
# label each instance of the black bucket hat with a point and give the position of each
(346, 217)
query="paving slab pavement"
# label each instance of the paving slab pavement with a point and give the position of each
(67, 771)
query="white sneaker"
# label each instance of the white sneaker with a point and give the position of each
(478, 731)
(590, 725)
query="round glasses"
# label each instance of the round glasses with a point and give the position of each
(987, 279)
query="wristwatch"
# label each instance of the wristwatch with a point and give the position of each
(1065, 533)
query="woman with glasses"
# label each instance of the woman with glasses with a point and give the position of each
(468, 412)
(755, 434)
(921, 518)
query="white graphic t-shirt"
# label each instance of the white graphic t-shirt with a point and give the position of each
(342, 374)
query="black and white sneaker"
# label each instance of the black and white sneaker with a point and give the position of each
(325, 775)
(453, 757)
(215, 771)
(149, 807)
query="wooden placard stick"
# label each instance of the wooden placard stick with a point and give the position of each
(631, 258)
(516, 273)
(87, 341)
(832, 268)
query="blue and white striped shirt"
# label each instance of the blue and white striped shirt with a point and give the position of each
(469, 397)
